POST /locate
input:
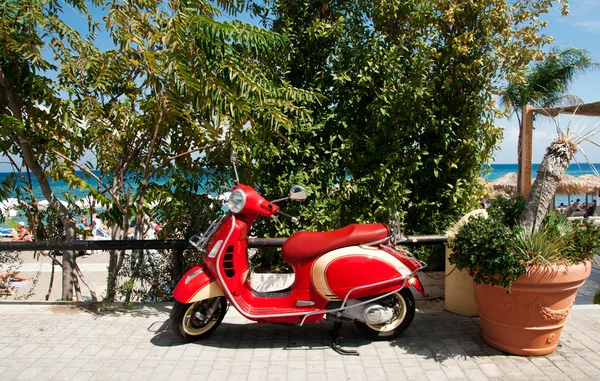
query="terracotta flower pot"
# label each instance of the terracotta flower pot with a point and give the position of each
(529, 320)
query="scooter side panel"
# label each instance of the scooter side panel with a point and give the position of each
(197, 284)
(228, 247)
(410, 264)
(337, 272)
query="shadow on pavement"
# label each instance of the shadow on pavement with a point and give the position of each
(434, 334)
(115, 309)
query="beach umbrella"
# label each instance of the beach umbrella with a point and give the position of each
(8, 206)
(488, 189)
(506, 183)
(566, 185)
(43, 205)
(88, 202)
(587, 184)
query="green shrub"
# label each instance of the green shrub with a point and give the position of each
(585, 241)
(507, 210)
(434, 256)
(496, 251)
(484, 248)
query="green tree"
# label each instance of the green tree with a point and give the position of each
(556, 160)
(546, 83)
(177, 83)
(410, 110)
(33, 118)
(167, 101)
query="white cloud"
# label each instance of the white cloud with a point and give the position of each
(583, 8)
(590, 26)
(507, 154)
(543, 134)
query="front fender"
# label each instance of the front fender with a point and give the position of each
(195, 285)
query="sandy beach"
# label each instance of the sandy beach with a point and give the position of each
(94, 268)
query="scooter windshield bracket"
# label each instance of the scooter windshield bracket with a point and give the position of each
(396, 229)
(200, 241)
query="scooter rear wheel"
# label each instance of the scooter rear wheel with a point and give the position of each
(403, 303)
(189, 322)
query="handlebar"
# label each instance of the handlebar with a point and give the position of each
(294, 220)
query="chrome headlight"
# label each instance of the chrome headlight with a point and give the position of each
(237, 201)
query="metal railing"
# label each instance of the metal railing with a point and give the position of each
(174, 244)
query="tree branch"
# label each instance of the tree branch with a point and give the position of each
(161, 167)
(100, 182)
(12, 103)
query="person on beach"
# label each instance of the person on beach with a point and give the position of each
(84, 223)
(22, 233)
(572, 208)
(101, 228)
(591, 210)
(9, 275)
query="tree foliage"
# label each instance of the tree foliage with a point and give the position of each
(165, 100)
(35, 120)
(410, 109)
(546, 82)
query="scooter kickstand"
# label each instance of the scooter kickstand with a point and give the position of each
(335, 341)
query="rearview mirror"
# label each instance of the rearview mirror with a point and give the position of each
(297, 193)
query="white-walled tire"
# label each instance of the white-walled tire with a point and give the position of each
(403, 303)
(189, 322)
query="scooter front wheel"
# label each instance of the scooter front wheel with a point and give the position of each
(194, 321)
(403, 304)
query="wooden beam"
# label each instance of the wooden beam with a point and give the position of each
(524, 172)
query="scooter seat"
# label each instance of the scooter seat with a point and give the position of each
(306, 245)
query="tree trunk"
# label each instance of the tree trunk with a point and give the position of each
(34, 165)
(61, 210)
(89, 287)
(114, 266)
(51, 280)
(542, 192)
(69, 281)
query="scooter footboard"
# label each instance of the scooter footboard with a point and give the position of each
(195, 285)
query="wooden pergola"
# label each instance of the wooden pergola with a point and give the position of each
(524, 174)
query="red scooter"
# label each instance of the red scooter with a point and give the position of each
(353, 274)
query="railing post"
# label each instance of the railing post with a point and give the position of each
(177, 262)
(524, 175)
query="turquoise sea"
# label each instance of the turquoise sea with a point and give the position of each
(498, 170)
(491, 173)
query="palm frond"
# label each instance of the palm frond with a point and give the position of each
(547, 81)
(547, 245)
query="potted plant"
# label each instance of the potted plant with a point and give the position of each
(527, 264)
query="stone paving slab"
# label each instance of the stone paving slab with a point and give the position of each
(69, 342)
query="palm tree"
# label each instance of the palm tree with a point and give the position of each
(556, 160)
(546, 83)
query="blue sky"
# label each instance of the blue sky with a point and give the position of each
(580, 29)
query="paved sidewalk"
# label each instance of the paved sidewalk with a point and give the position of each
(63, 342)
